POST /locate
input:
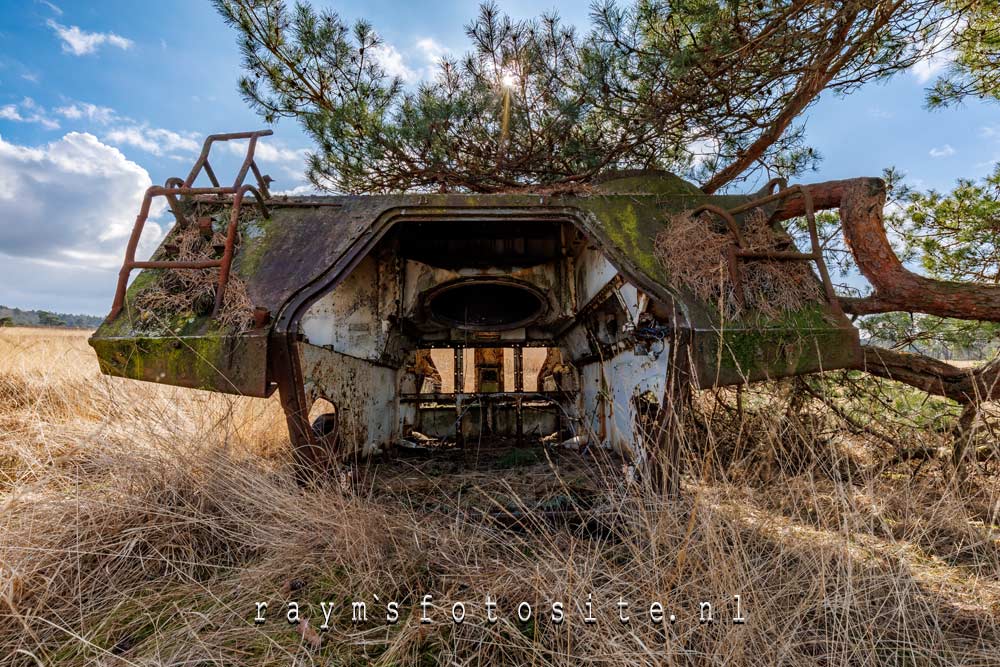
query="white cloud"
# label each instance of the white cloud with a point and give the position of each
(990, 131)
(74, 201)
(91, 112)
(55, 8)
(154, 140)
(701, 149)
(28, 111)
(125, 132)
(391, 61)
(268, 151)
(433, 53)
(935, 52)
(879, 112)
(942, 151)
(426, 51)
(304, 190)
(926, 69)
(80, 42)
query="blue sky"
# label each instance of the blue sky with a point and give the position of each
(99, 100)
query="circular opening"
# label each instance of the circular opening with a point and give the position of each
(481, 305)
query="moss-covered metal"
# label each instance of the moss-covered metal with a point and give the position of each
(185, 348)
(805, 341)
(307, 243)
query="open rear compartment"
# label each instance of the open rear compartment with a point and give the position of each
(485, 394)
(487, 333)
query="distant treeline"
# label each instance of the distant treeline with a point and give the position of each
(15, 317)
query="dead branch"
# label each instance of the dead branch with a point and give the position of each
(852, 423)
(965, 385)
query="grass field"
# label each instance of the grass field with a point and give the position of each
(141, 525)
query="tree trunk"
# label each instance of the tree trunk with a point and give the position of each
(860, 201)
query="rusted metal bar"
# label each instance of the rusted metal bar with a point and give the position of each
(227, 253)
(211, 175)
(192, 192)
(518, 369)
(733, 251)
(817, 248)
(207, 147)
(741, 251)
(247, 161)
(205, 264)
(459, 390)
(205, 227)
(133, 243)
(175, 206)
(262, 179)
(261, 317)
(775, 254)
(727, 216)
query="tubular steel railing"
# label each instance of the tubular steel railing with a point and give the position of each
(175, 188)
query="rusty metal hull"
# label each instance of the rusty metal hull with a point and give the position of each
(311, 340)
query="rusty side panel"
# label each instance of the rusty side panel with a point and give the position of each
(355, 318)
(364, 394)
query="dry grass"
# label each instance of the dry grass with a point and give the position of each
(179, 291)
(139, 525)
(693, 252)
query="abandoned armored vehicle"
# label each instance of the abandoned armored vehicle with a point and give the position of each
(461, 315)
